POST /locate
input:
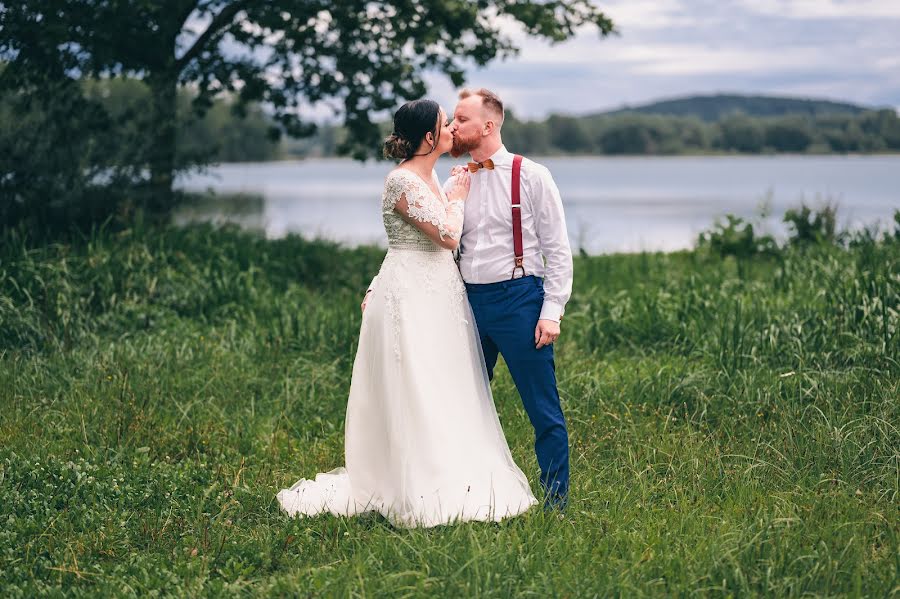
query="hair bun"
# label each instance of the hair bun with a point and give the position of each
(396, 147)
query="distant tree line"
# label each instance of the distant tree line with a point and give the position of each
(76, 158)
(625, 133)
(225, 132)
(633, 133)
(229, 131)
(715, 107)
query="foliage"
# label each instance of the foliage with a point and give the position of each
(741, 133)
(809, 226)
(736, 237)
(359, 57)
(621, 133)
(220, 135)
(718, 106)
(44, 178)
(54, 187)
(790, 134)
(731, 434)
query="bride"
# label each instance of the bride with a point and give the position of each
(423, 445)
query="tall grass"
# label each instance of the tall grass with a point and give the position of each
(734, 426)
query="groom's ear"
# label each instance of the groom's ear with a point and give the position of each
(489, 127)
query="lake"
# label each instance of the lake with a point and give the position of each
(612, 204)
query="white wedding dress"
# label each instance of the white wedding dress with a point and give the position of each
(423, 445)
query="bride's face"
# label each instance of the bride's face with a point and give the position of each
(444, 139)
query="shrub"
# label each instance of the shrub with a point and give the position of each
(736, 237)
(808, 226)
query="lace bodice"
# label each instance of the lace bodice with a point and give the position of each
(423, 206)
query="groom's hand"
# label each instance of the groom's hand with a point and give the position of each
(545, 333)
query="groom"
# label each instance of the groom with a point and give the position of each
(515, 259)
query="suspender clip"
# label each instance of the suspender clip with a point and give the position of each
(518, 267)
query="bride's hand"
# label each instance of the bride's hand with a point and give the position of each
(459, 168)
(459, 189)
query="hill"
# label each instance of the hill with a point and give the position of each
(714, 107)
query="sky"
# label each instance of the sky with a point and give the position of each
(845, 50)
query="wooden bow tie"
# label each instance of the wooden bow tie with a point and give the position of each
(474, 166)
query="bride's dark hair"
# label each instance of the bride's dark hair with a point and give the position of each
(411, 122)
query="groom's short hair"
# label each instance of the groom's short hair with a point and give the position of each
(489, 100)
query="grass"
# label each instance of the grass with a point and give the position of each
(734, 427)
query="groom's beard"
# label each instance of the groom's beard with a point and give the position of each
(462, 145)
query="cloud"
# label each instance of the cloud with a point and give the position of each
(824, 9)
(823, 48)
(838, 49)
(649, 14)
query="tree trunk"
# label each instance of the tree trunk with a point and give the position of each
(162, 130)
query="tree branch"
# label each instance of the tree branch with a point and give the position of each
(219, 21)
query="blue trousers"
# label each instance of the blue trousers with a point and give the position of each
(506, 314)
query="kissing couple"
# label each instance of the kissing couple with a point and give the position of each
(423, 444)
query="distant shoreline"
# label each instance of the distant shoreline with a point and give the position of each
(609, 156)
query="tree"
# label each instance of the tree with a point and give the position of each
(531, 135)
(788, 134)
(55, 142)
(568, 134)
(625, 135)
(742, 133)
(360, 56)
(883, 126)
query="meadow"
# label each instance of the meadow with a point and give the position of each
(733, 423)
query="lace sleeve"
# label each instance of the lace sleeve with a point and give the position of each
(421, 205)
(394, 187)
(448, 218)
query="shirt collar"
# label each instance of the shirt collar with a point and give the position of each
(502, 157)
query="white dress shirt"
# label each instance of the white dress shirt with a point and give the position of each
(486, 248)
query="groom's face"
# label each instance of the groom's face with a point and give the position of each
(468, 125)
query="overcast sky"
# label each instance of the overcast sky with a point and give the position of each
(835, 49)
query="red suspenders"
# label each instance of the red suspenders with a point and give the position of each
(517, 215)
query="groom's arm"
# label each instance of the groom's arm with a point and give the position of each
(550, 226)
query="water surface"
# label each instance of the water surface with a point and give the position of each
(612, 204)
